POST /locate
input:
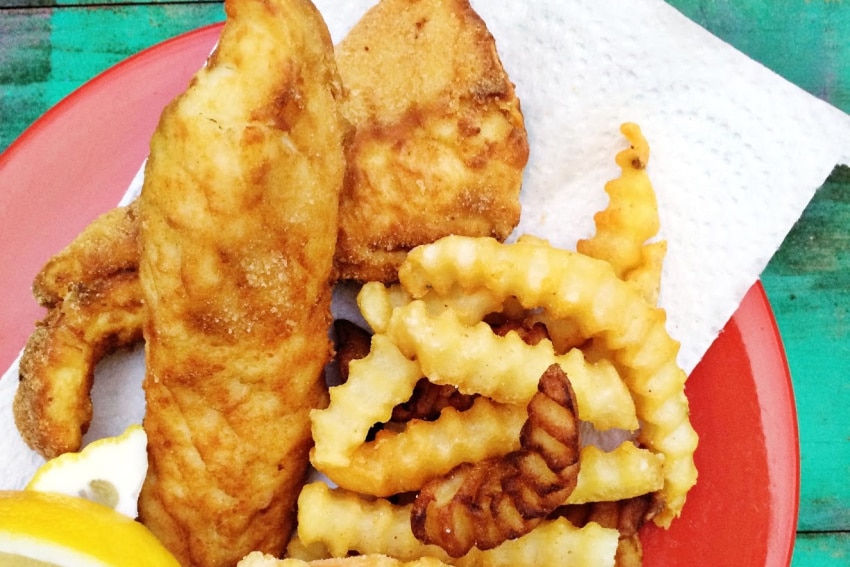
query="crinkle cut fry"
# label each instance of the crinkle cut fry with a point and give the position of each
(484, 503)
(572, 285)
(625, 472)
(427, 401)
(378, 301)
(627, 516)
(347, 522)
(354, 406)
(395, 462)
(403, 461)
(389, 464)
(631, 218)
(297, 549)
(506, 368)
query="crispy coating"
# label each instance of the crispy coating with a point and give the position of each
(485, 503)
(436, 152)
(109, 245)
(94, 306)
(440, 143)
(238, 228)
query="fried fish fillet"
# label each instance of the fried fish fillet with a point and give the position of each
(238, 228)
(440, 142)
(455, 125)
(94, 306)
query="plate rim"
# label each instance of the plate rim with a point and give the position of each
(756, 320)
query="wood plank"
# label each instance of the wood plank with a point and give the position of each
(24, 69)
(822, 550)
(47, 53)
(92, 3)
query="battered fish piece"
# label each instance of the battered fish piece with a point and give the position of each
(94, 306)
(109, 245)
(238, 228)
(472, 168)
(440, 143)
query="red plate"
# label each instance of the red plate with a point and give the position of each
(77, 160)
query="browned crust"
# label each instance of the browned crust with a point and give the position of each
(95, 306)
(440, 143)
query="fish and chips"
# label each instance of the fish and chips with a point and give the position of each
(508, 404)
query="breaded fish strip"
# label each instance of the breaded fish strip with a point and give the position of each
(440, 142)
(238, 227)
(94, 305)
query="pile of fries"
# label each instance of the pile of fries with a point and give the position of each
(512, 404)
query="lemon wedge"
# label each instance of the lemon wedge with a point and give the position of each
(108, 471)
(42, 528)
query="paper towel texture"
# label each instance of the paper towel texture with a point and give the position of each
(737, 153)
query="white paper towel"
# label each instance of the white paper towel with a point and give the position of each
(736, 154)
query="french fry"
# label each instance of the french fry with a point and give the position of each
(347, 522)
(396, 462)
(481, 320)
(257, 559)
(487, 502)
(506, 368)
(631, 218)
(377, 303)
(625, 472)
(385, 377)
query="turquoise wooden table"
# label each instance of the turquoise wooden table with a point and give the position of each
(50, 47)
